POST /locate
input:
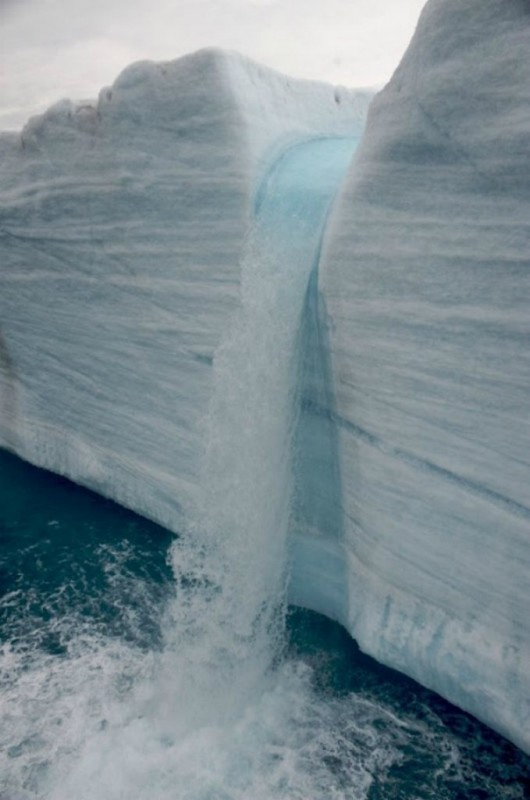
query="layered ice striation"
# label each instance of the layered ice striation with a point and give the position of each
(122, 225)
(426, 288)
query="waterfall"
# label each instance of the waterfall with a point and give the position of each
(230, 564)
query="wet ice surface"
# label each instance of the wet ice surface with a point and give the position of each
(85, 589)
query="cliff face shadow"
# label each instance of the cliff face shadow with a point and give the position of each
(8, 396)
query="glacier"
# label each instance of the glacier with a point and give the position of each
(124, 239)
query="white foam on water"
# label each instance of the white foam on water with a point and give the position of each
(82, 732)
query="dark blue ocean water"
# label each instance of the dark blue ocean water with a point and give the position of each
(79, 573)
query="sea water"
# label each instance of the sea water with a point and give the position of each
(85, 588)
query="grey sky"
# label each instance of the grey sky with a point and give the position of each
(50, 49)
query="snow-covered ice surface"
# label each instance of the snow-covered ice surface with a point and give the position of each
(122, 225)
(426, 287)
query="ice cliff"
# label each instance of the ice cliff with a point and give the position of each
(425, 288)
(122, 225)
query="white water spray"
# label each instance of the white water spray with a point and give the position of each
(230, 565)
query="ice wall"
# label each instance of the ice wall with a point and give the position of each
(121, 227)
(425, 293)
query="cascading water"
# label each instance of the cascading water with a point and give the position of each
(235, 550)
(225, 626)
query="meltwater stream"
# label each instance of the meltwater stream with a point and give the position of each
(141, 666)
(230, 565)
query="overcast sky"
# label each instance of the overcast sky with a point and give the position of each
(50, 49)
